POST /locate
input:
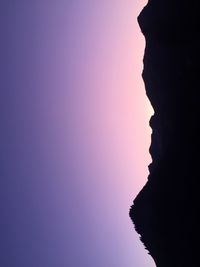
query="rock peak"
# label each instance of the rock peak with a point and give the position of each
(165, 212)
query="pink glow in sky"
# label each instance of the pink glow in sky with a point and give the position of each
(76, 133)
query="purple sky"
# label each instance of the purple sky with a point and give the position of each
(74, 133)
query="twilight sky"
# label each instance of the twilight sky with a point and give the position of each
(74, 134)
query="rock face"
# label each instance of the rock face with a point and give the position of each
(165, 212)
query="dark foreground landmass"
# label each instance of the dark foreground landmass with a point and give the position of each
(165, 212)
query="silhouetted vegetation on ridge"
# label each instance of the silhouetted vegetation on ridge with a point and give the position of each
(165, 212)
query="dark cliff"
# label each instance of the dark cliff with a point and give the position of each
(165, 212)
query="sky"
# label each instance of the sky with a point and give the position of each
(74, 133)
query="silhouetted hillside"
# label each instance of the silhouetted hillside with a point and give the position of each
(165, 212)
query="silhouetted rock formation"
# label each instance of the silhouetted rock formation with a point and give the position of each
(165, 212)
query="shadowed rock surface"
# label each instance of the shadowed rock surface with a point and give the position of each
(165, 212)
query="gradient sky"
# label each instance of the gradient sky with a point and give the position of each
(74, 133)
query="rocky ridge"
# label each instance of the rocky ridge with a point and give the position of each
(165, 212)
